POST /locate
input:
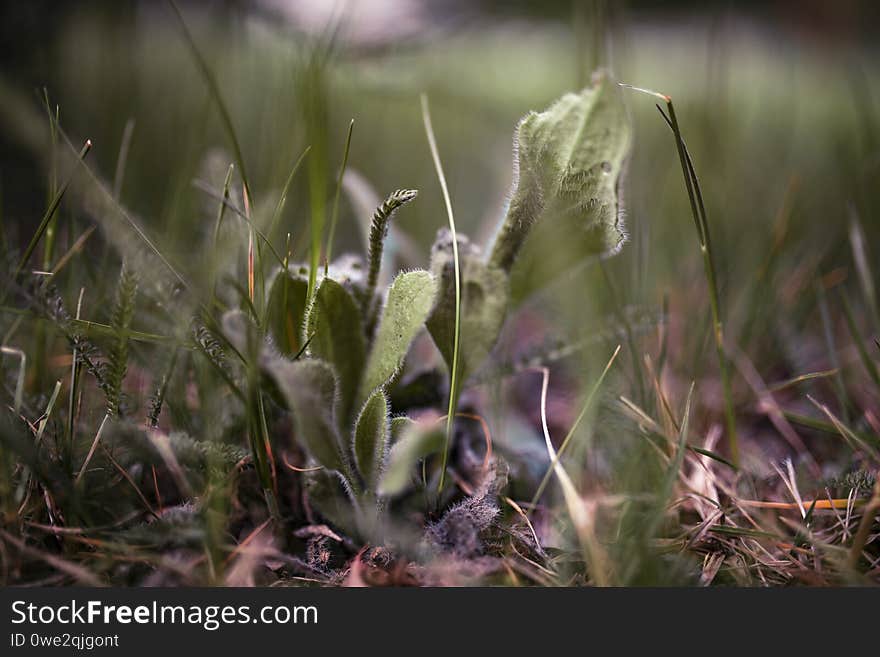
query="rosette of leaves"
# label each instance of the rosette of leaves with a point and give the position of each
(340, 351)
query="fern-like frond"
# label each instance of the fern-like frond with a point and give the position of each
(379, 231)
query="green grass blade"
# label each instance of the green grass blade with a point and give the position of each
(870, 365)
(453, 373)
(214, 90)
(282, 199)
(334, 213)
(50, 212)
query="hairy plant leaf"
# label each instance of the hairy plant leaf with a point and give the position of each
(287, 308)
(564, 204)
(484, 298)
(309, 387)
(414, 443)
(371, 435)
(410, 299)
(338, 338)
(237, 328)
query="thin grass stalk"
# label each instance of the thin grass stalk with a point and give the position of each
(73, 396)
(122, 159)
(334, 213)
(698, 209)
(674, 467)
(282, 199)
(630, 335)
(214, 90)
(49, 247)
(50, 213)
(869, 364)
(831, 346)
(221, 211)
(453, 374)
(595, 557)
(586, 405)
(19, 380)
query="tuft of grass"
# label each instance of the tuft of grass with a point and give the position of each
(701, 222)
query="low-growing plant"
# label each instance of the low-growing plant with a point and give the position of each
(335, 357)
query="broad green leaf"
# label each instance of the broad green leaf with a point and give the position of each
(371, 435)
(484, 299)
(309, 388)
(415, 442)
(564, 204)
(338, 338)
(409, 302)
(287, 308)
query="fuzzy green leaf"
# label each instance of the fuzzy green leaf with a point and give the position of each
(309, 388)
(371, 435)
(564, 205)
(413, 444)
(409, 302)
(484, 298)
(338, 338)
(287, 308)
(238, 328)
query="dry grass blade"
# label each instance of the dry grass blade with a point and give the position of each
(82, 575)
(92, 449)
(581, 515)
(855, 441)
(19, 381)
(584, 407)
(675, 465)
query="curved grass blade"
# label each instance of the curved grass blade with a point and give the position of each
(586, 405)
(453, 372)
(334, 213)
